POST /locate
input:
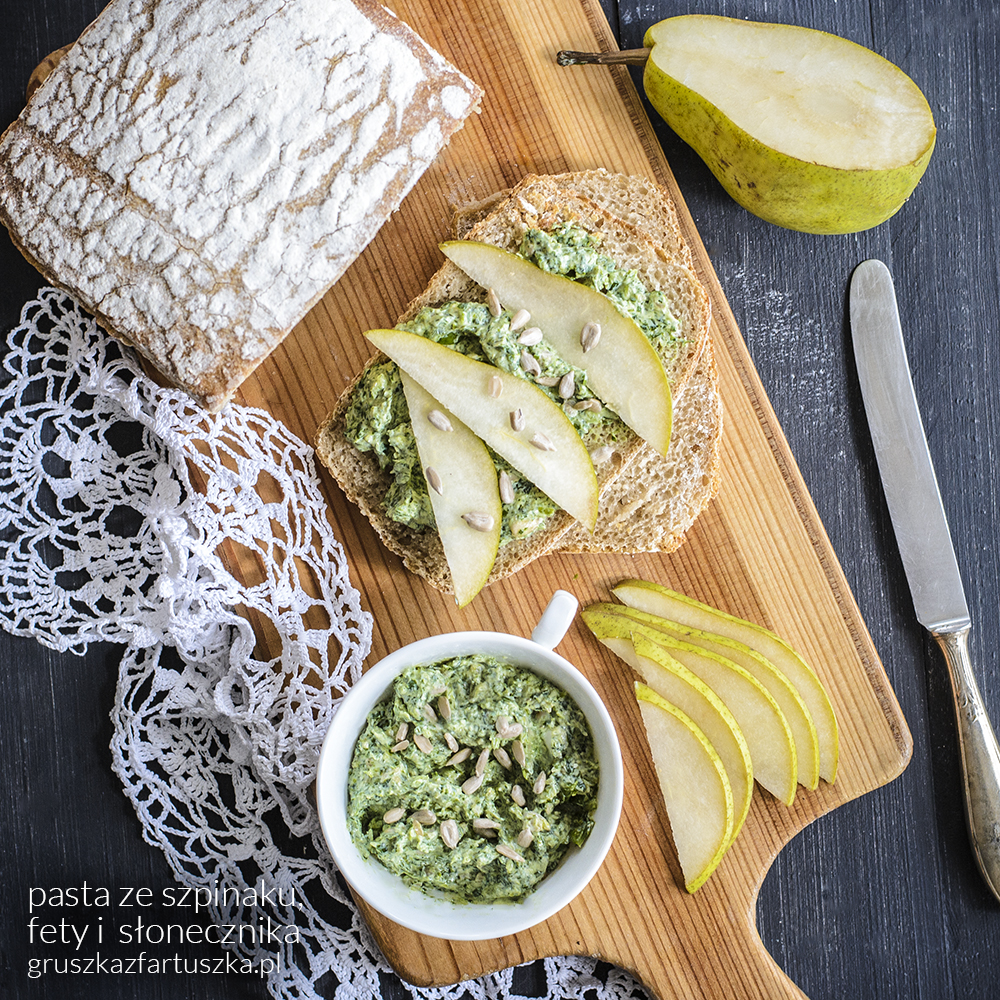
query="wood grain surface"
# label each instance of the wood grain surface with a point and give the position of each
(880, 897)
(759, 551)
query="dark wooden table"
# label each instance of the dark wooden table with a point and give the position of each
(881, 898)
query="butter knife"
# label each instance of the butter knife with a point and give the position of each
(921, 527)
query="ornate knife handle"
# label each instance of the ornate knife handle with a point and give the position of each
(980, 756)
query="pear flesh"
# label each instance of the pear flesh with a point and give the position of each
(695, 787)
(463, 489)
(763, 724)
(658, 600)
(678, 685)
(622, 368)
(547, 449)
(803, 128)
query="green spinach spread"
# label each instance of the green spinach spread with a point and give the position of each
(472, 778)
(377, 419)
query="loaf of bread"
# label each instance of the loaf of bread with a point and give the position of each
(642, 493)
(197, 173)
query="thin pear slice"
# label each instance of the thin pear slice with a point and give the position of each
(547, 450)
(758, 715)
(805, 129)
(673, 681)
(694, 786)
(623, 369)
(796, 712)
(462, 484)
(667, 603)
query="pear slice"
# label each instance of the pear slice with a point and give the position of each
(674, 682)
(763, 724)
(660, 600)
(547, 450)
(463, 487)
(805, 129)
(693, 783)
(797, 714)
(623, 369)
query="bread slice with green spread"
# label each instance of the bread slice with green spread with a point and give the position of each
(367, 444)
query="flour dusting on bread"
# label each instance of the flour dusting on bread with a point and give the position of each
(197, 174)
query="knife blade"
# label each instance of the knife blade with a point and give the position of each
(924, 539)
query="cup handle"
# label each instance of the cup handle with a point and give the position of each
(556, 619)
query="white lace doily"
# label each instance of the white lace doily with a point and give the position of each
(123, 496)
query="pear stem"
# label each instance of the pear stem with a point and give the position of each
(634, 57)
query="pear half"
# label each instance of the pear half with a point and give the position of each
(622, 367)
(695, 788)
(463, 487)
(547, 449)
(803, 128)
(659, 600)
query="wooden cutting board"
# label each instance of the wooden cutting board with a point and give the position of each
(759, 551)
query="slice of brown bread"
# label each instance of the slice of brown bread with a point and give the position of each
(545, 202)
(657, 498)
(198, 174)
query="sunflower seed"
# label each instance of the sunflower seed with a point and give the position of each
(482, 823)
(457, 758)
(541, 442)
(402, 732)
(452, 742)
(429, 714)
(478, 520)
(516, 420)
(506, 487)
(437, 419)
(591, 403)
(450, 834)
(424, 817)
(506, 729)
(530, 364)
(394, 815)
(472, 784)
(481, 761)
(444, 707)
(422, 743)
(539, 786)
(589, 336)
(551, 381)
(525, 837)
(509, 852)
(434, 480)
(567, 385)
(502, 757)
(530, 337)
(601, 455)
(493, 301)
(400, 746)
(495, 387)
(519, 319)
(517, 794)
(517, 752)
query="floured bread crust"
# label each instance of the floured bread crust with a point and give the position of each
(197, 173)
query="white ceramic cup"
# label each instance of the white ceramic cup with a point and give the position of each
(433, 915)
